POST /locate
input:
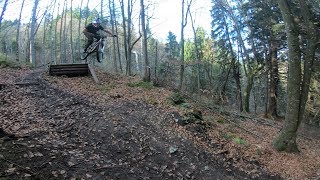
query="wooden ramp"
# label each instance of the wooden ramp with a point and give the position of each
(69, 70)
(73, 70)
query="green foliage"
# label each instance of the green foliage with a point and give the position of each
(172, 46)
(234, 138)
(185, 105)
(143, 84)
(5, 62)
(239, 141)
(176, 99)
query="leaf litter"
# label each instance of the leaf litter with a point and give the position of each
(73, 128)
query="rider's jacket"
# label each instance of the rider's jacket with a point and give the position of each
(92, 29)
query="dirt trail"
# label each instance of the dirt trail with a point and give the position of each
(74, 137)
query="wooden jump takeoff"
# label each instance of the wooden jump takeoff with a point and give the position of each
(73, 70)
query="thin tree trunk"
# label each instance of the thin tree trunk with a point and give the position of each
(112, 20)
(55, 38)
(71, 32)
(44, 47)
(197, 51)
(118, 47)
(18, 32)
(65, 38)
(61, 34)
(124, 26)
(183, 25)
(79, 26)
(129, 60)
(3, 10)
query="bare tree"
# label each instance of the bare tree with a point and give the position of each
(184, 21)
(127, 28)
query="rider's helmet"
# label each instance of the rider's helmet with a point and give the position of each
(96, 21)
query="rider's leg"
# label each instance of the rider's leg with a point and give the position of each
(89, 42)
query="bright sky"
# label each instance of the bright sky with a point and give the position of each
(166, 13)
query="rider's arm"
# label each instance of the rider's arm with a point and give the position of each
(109, 33)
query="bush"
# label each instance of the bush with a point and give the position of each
(176, 99)
(7, 61)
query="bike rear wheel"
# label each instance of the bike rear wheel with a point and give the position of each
(99, 54)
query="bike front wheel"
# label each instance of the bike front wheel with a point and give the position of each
(84, 55)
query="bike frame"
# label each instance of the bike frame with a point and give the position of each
(96, 46)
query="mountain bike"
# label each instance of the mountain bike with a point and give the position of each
(96, 47)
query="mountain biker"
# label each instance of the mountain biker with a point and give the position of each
(90, 31)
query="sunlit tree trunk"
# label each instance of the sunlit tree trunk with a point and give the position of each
(32, 32)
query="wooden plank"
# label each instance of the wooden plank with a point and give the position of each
(69, 70)
(93, 74)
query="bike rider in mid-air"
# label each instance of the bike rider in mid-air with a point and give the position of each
(90, 31)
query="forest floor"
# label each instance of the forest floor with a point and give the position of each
(72, 128)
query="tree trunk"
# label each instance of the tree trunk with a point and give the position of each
(65, 39)
(183, 25)
(51, 34)
(18, 33)
(274, 80)
(44, 46)
(145, 43)
(124, 26)
(286, 140)
(197, 51)
(112, 20)
(79, 26)
(55, 38)
(3, 10)
(32, 33)
(71, 33)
